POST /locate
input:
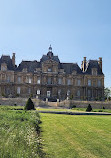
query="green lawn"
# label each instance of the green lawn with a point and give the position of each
(73, 110)
(19, 134)
(63, 136)
(76, 136)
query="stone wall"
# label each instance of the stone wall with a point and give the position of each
(64, 104)
(84, 104)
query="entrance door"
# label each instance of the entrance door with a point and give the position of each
(48, 94)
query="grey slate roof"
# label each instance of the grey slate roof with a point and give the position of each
(46, 57)
(69, 67)
(30, 65)
(93, 64)
(6, 59)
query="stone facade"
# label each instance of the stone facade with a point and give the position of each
(50, 78)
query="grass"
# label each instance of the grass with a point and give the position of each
(73, 110)
(19, 133)
(76, 136)
(63, 136)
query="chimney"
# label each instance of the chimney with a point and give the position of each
(100, 62)
(84, 64)
(13, 59)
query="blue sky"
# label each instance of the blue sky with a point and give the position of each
(74, 28)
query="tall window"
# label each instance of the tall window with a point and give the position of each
(89, 93)
(78, 82)
(38, 92)
(19, 79)
(49, 69)
(99, 83)
(38, 80)
(59, 92)
(68, 92)
(18, 90)
(48, 93)
(78, 93)
(94, 83)
(49, 80)
(29, 90)
(29, 80)
(69, 82)
(89, 82)
(60, 81)
(8, 78)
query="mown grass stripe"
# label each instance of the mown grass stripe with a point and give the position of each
(77, 136)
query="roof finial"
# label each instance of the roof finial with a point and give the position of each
(50, 48)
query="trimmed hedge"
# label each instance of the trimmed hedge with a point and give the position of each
(89, 108)
(29, 105)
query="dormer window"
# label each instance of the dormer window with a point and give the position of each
(49, 69)
(94, 71)
(3, 67)
(24, 70)
(74, 72)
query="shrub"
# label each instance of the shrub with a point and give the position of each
(103, 107)
(71, 97)
(89, 108)
(29, 105)
(72, 106)
(31, 95)
(100, 111)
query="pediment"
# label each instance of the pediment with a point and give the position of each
(50, 61)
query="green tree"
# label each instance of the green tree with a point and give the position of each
(89, 108)
(29, 105)
(107, 93)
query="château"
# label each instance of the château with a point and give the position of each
(51, 78)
